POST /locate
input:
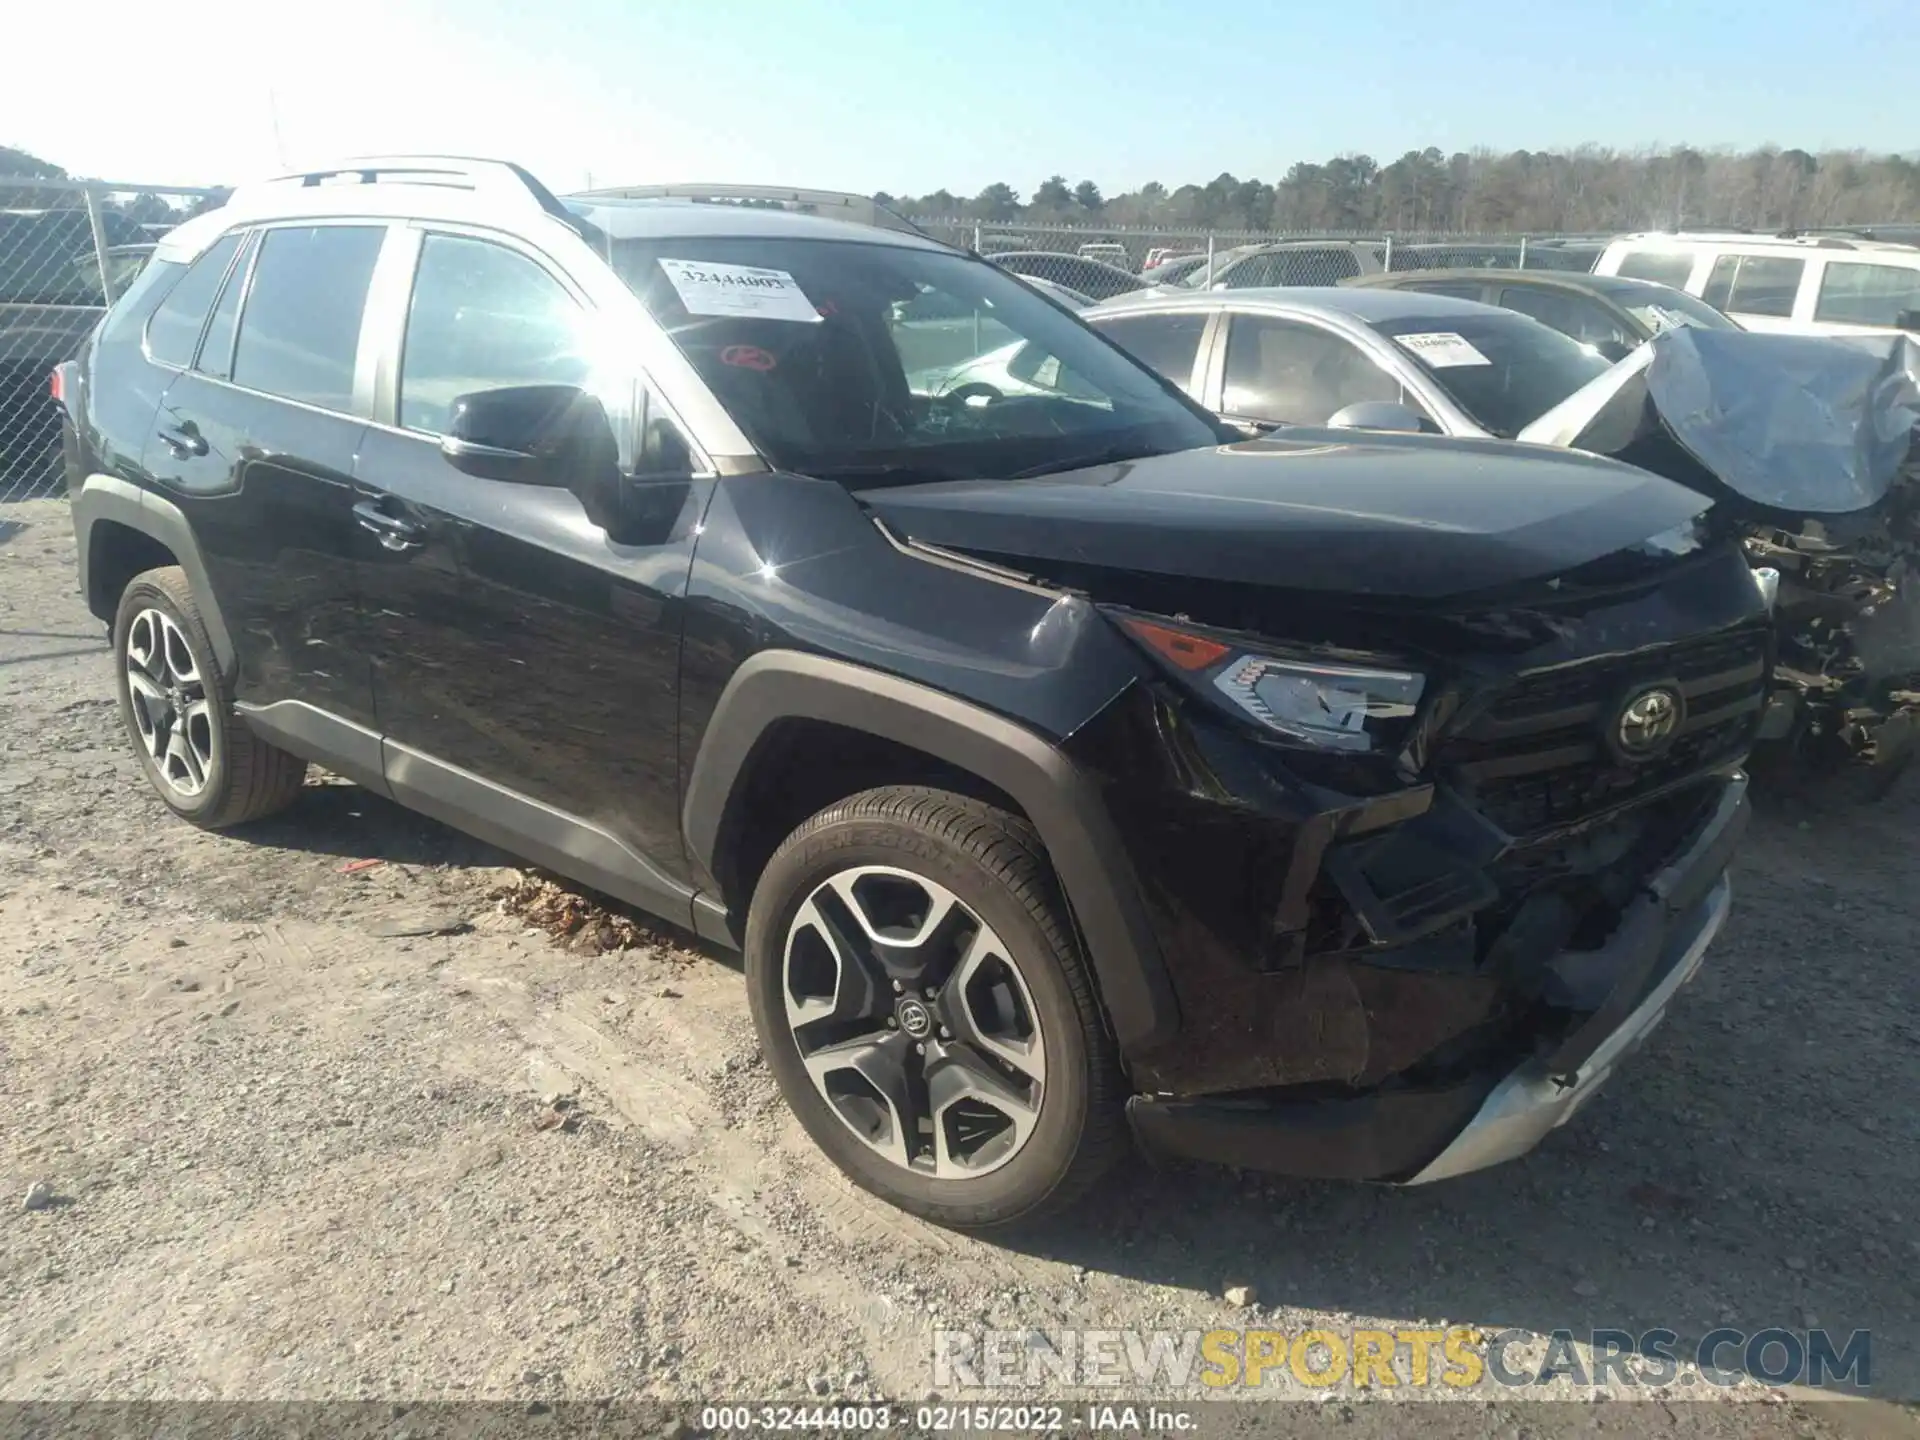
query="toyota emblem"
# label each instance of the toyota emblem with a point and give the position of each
(1648, 722)
(914, 1018)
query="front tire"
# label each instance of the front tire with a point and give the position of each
(178, 710)
(923, 1004)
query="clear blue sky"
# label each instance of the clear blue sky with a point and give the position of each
(908, 95)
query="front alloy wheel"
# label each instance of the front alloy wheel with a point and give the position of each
(914, 1022)
(921, 998)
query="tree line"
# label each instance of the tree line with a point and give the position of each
(1482, 191)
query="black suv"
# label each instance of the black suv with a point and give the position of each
(1066, 767)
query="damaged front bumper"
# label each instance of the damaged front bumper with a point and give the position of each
(1540, 1096)
(1410, 1134)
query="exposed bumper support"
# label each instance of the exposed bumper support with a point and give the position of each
(1536, 1098)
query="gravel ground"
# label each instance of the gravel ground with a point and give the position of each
(294, 1152)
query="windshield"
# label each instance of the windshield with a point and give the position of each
(1663, 308)
(1503, 369)
(878, 362)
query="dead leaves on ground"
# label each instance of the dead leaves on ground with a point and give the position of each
(578, 921)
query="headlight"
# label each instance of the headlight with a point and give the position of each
(1329, 704)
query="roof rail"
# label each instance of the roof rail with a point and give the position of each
(837, 204)
(501, 179)
(1836, 238)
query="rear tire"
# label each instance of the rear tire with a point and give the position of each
(917, 937)
(178, 710)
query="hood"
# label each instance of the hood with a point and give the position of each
(1412, 516)
(1792, 424)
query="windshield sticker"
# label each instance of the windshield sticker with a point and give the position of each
(747, 357)
(1442, 348)
(744, 290)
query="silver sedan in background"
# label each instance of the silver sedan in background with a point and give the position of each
(1353, 358)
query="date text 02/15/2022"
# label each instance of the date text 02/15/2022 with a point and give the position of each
(945, 1419)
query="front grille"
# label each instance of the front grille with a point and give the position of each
(1535, 756)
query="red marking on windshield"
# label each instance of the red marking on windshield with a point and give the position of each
(747, 357)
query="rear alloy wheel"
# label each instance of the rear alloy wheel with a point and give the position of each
(172, 717)
(922, 1002)
(178, 708)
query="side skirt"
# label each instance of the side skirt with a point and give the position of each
(516, 823)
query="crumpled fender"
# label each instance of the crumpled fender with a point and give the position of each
(1795, 425)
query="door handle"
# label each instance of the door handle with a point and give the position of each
(184, 439)
(393, 532)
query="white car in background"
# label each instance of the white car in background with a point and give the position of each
(1801, 284)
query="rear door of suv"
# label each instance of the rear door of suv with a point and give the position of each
(255, 440)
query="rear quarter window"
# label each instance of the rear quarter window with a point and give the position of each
(1666, 267)
(133, 307)
(174, 333)
(1859, 294)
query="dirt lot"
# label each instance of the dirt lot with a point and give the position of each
(296, 1154)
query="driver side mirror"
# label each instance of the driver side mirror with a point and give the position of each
(561, 437)
(1376, 415)
(528, 434)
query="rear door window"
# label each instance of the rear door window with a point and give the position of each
(300, 332)
(1755, 284)
(174, 332)
(1297, 374)
(1854, 294)
(1667, 267)
(1166, 343)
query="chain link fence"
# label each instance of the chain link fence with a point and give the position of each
(67, 248)
(1100, 263)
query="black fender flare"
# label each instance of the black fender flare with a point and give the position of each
(110, 498)
(1064, 805)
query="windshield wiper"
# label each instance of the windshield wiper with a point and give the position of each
(1115, 454)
